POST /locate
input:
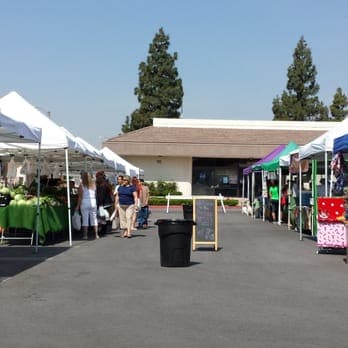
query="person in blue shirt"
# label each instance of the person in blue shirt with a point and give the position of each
(126, 199)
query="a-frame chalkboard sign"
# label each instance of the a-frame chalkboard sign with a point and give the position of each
(205, 231)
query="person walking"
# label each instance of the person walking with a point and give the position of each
(105, 200)
(116, 215)
(137, 185)
(144, 205)
(126, 199)
(87, 204)
(274, 197)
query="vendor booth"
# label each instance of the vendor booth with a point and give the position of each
(60, 153)
(14, 134)
(256, 167)
(333, 212)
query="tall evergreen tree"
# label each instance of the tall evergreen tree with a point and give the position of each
(300, 102)
(339, 105)
(160, 91)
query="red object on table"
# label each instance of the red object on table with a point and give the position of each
(330, 209)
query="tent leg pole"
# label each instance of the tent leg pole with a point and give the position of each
(68, 193)
(38, 199)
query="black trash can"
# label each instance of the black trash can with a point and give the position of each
(175, 242)
(188, 211)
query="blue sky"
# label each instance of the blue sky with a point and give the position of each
(79, 59)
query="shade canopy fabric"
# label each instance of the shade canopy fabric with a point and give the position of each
(53, 136)
(12, 131)
(257, 165)
(274, 163)
(341, 144)
(110, 156)
(325, 142)
(17, 108)
(130, 169)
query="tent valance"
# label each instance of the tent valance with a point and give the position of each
(274, 164)
(14, 131)
(340, 143)
(257, 165)
(130, 169)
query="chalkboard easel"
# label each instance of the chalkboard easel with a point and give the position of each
(205, 232)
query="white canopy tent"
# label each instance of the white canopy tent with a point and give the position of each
(53, 137)
(130, 169)
(105, 163)
(93, 159)
(324, 142)
(111, 156)
(12, 131)
(17, 132)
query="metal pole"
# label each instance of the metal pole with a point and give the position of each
(243, 192)
(38, 212)
(264, 193)
(279, 195)
(252, 192)
(326, 173)
(68, 193)
(300, 197)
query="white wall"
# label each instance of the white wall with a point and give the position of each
(178, 169)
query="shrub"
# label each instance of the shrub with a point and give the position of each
(162, 188)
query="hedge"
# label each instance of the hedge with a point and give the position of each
(163, 201)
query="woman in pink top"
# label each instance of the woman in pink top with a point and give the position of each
(87, 204)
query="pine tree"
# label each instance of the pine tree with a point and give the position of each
(300, 102)
(160, 91)
(338, 108)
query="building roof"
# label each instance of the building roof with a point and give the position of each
(216, 139)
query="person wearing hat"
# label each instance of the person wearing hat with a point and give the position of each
(126, 199)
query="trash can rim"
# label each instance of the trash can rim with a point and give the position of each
(175, 221)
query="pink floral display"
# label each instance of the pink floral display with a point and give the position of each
(333, 234)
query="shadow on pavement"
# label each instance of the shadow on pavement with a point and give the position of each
(207, 249)
(16, 259)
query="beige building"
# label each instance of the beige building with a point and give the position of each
(208, 156)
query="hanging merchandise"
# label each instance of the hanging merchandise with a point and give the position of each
(45, 168)
(337, 166)
(25, 167)
(11, 169)
(56, 171)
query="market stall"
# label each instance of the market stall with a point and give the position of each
(13, 134)
(332, 231)
(273, 165)
(52, 219)
(59, 149)
(256, 167)
(333, 211)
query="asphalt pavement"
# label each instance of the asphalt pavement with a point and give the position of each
(262, 288)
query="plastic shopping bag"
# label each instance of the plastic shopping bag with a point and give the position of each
(103, 213)
(76, 221)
